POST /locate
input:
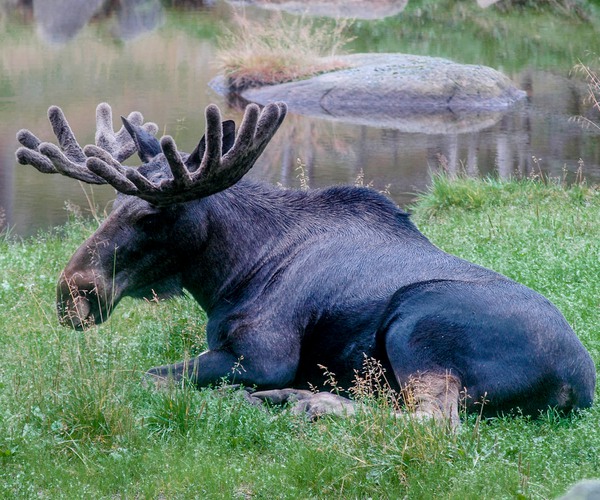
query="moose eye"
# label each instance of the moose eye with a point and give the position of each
(150, 221)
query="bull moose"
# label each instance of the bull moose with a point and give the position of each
(295, 280)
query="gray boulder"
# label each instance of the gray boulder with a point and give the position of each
(404, 92)
(588, 489)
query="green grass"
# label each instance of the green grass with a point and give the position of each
(76, 422)
(511, 36)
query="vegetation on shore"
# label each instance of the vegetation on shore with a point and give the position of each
(76, 422)
(283, 49)
(592, 76)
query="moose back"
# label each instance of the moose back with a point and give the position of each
(296, 280)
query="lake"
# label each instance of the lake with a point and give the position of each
(159, 58)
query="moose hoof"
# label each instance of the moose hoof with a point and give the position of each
(324, 403)
(308, 403)
(281, 396)
(155, 378)
(428, 418)
(151, 381)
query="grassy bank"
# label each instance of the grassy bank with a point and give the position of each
(75, 422)
(511, 36)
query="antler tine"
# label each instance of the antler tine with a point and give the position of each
(70, 159)
(112, 176)
(214, 140)
(119, 144)
(246, 132)
(66, 139)
(29, 140)
(28, 155)
(105, 136)
(66, 167)
(94, 151)
(270, 121)
(181, 176)
(48, 158)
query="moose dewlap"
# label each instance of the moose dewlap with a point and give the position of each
(294, 280)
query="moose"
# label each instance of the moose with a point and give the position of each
(296, 280)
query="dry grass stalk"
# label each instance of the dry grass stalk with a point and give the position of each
(593, 97)
(278, 51)
(372, 384)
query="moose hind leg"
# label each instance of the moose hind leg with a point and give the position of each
(426, 343)
(434, 395)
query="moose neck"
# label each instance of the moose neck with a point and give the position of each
(247, 226)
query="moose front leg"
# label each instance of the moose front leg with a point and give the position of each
(212, 367)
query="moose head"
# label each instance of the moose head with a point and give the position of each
(129, 255)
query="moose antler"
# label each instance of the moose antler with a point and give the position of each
(207, 170)
(212, 167)
(70, 159)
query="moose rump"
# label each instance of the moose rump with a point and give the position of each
(503, 357)
(295, 280)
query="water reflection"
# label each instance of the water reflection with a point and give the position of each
(166, 75)
(536, 136)
(59, 21)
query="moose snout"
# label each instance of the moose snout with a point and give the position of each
(76, 302)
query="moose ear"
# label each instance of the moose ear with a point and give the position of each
(147, 145)
(228, 135)
(194, 160)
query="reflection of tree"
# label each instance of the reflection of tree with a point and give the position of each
(506, 147)
(513, 145)
(59, 21)
(314, 143)
(135, 17)
(6, 188)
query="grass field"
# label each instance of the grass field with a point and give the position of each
(75, 421)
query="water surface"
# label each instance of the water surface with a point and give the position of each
(160, 60)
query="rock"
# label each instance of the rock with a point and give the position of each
(484, 4)
(405, 92)
(352, 9)
(588, 489)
